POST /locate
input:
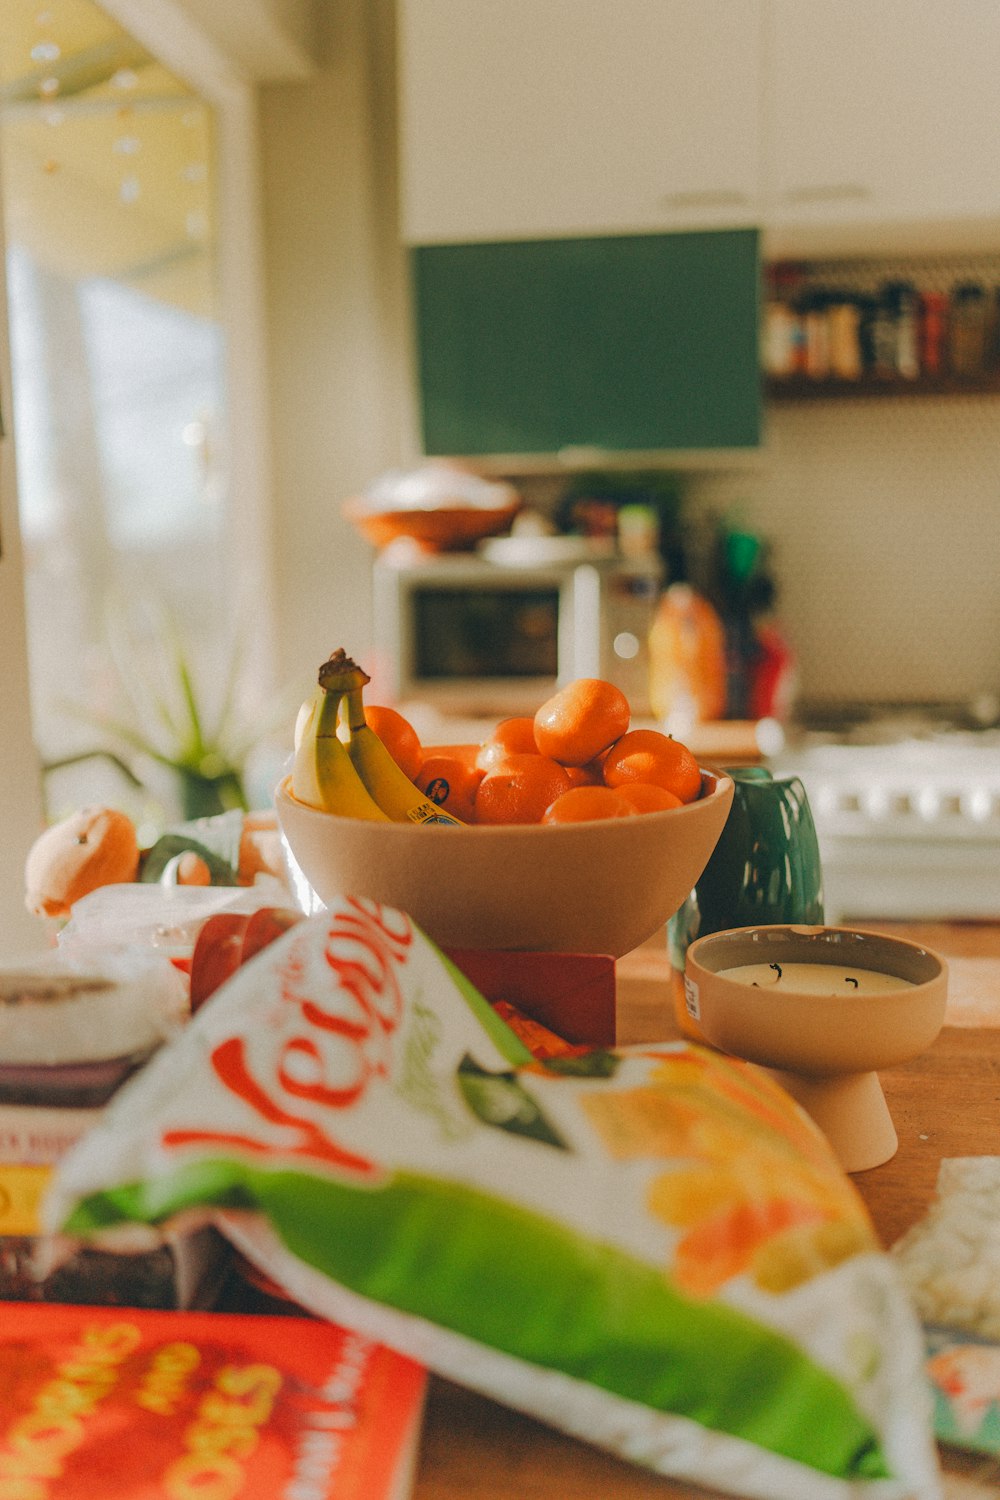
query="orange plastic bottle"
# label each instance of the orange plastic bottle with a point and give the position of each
(687, 658)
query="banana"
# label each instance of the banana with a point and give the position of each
(322, 773)
(391, 788)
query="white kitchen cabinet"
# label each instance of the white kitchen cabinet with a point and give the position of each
(879, 118)
(528, 119)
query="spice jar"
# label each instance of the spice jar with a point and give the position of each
(967, 332)
(844, 315)
(782, 337)
(897, 342)
(933, 332)
(882, 336)
(816, 333)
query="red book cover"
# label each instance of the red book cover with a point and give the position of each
(146, 1405)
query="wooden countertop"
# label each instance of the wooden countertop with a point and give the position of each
(944, 1104)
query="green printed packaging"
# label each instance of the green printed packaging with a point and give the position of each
(651, 1248)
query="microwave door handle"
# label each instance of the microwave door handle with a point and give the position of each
(395, 641)
(580, 627)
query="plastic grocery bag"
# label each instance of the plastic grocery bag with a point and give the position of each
(652, 1248)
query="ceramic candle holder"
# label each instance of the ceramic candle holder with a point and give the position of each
(822, 1008)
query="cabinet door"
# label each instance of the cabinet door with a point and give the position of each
(530, 118)
(882, 112)
(626, 342)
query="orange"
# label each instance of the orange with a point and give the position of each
(510, 737)
(398, 736)
(519, 789)
(588, 775)
(581, 720)
(649, 755)
(451, 783)
(645, 797)
(582, 804)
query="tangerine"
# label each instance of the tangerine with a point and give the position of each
(519, 789)
(648, 755)
(584, 804)
(510, 737)
(645, 797)
(397, 735)
(588, 775)
(450, 782)
(581, 720)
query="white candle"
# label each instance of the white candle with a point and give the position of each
(815, 979)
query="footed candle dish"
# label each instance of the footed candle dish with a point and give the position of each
(823, 1009)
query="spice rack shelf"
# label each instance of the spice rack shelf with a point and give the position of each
(805, 388)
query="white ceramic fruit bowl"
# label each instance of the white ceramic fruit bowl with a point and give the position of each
(600, 887)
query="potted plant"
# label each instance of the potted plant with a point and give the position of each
(157, 711)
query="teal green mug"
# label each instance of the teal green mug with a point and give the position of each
(765, 869)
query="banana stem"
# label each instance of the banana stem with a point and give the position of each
(344, 677)
(329, 712)
(355, 710)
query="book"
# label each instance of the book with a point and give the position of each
(186, 1272)
(964, 1373)
(159, 1405)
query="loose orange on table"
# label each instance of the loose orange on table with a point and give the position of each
(581, 720)
(397, 735)
(519, 789)
(647, 755)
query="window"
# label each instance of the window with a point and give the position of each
(122, 350)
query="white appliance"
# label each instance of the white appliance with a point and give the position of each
(494, 632)
(908, 819)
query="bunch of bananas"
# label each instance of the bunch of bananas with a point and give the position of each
(341, 766)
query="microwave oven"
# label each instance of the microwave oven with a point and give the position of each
(468, 636)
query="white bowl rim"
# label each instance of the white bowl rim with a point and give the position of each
(848, 943)
(724, 784)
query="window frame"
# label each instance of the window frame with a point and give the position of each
(166, 29)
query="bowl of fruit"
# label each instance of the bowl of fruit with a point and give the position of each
(568, 831)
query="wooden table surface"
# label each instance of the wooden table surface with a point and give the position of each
(944, 1104)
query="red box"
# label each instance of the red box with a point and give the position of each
(573, 994)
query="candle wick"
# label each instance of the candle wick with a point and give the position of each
(776, 968)
(849, 980)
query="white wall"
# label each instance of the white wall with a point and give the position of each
(883, 516)
(340, 394)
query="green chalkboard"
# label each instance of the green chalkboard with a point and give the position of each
(631, 342)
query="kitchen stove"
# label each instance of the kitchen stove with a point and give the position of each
(907, 811)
